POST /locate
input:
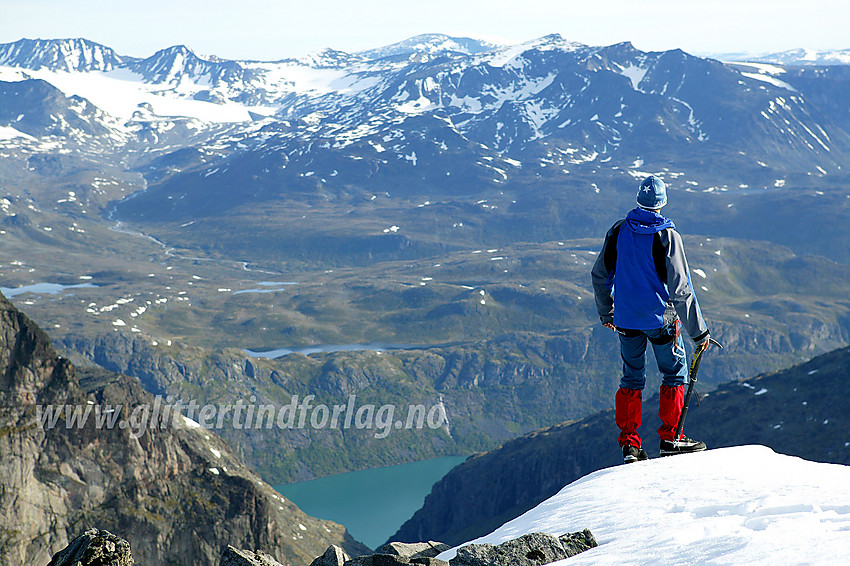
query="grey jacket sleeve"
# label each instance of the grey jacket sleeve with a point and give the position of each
(602, 276)
(680, 287)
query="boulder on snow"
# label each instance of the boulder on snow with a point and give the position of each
(394, 560)
(94, 547)
(333, 556)
(235, 557)
(415, 550)
(378, 560)
(574, 543)
(532, 549)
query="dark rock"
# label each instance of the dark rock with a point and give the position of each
(333, 556)
(387, 559)
(94, 548)
(532, 549)
(235, 557)
(378, 560)
(578, 542)
(416, 549)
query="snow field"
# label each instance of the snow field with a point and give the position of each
(729, 506)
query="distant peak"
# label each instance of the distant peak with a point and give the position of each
(431, 43)
(175, 55)
(62, 43)
(625, 45)
(803, 56)
(172, 64)
(554, 40)
(175, 50)
(72, 54)
(552, 37)
(326, 57)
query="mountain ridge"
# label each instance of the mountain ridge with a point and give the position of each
(431, 43)
(176, 491)
(807, 57)
(72, 54)
(610, 107)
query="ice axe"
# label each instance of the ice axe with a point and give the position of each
(692, 378)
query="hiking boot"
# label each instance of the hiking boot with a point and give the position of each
(632, 454)
(684, 445)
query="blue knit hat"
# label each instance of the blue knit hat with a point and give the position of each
(652, 193)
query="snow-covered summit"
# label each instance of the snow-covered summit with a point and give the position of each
(800, 57)
(508, 54)
(741, 505)
(70, 55)
(808, 57)
(328, 59)
(432, 43)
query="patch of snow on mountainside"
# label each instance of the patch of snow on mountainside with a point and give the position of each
(8, 133)
(299, 78)
(635, 74)
(771, 80)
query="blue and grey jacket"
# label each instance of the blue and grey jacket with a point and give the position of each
(643, 265)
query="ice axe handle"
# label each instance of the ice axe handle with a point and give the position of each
(691, 380)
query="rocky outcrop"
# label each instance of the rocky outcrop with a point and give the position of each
(95, 548)
(333, 556)
(532, 549)
(394, 560)
(416, 549)
(391, 554)
(175, 491)
(235, 557)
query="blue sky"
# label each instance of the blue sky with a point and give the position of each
(275, 29)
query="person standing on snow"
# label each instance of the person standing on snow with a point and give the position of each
(642, 268)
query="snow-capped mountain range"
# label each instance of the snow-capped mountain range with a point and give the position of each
(121, 85)
(430, 114)
(466, 79)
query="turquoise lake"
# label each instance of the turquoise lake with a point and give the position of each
(372, 503)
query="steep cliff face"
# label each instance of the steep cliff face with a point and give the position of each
(492, 390)
(174, 490)
(799, 411)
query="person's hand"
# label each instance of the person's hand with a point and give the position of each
(610, 325)
(705, 343)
